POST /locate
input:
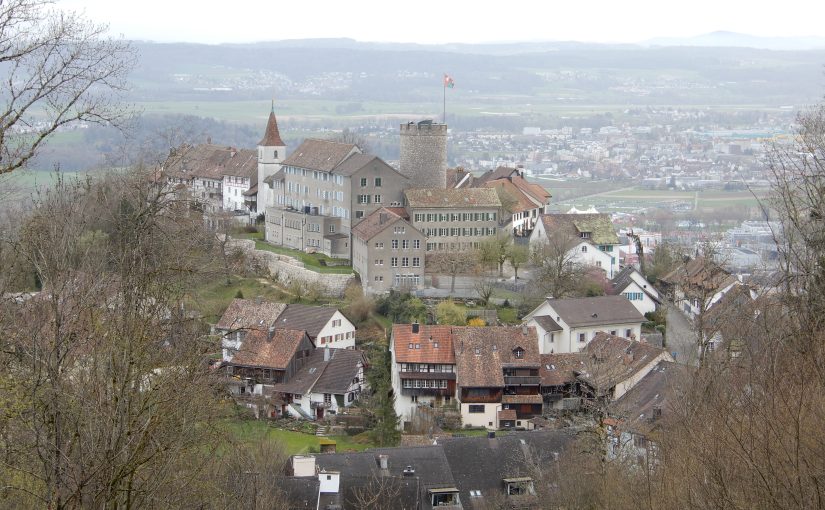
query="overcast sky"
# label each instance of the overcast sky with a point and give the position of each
(442, 21)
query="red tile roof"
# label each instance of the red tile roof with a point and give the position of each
(452, 198)
(482, 353)
(423, 343)
(272, 137)
(560, 369)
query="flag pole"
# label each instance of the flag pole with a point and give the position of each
(444, 86)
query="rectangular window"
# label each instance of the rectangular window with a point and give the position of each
(627, 333)
(363, 181)
(405, 262)
(416, 244)
(416, 262)
(476, 408)
(395, 244)
(394, 262)
(582, 337)
(359, 214)
(376, 199)
(405, 244)
(377, 182)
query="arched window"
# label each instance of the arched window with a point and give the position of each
(584, 249)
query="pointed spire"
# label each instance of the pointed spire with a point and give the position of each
(272, 138)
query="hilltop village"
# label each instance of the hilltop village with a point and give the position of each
(502, 317)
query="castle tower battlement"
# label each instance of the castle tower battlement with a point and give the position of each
(424, 154)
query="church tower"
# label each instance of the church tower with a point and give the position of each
(271, 151)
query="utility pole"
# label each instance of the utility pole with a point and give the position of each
(254, 488)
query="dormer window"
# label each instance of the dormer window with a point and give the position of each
(519, 486)
(584, 235)
(518, 352)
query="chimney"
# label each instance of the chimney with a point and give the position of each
(383, 461)
(209, 140)
(415, 328)
(270, 333)
(524, 329)
(303, 465)
(409, 471)
(326, 354)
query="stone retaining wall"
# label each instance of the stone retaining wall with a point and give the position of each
(287, 269)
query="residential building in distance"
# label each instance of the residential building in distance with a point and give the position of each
(423, 367)
(630, 283)
(454, 219)
(388, 251)
(497, 375)
(330, 380)
(568, 325)
(321, 190)
(271, 151)
(697, 284)
(325, 325)
(526, 201)
(264, 358)
(589, 238)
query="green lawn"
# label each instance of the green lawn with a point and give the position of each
(213, 297)
(312, 261)
(292, 442)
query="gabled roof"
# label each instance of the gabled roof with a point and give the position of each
(700, 274)
(560, 369)
(272, 137)
(321, 155)
(326, 371)
(377, 221)
(309, 318)
(424, 343)
(501, 172)
(599, 226)
(482, 353)
(259, 350)
(655, 390)
(212, 162)
(611, 359)
(547, 323)
(482, 464)
(624, 279)
(594, 311)
(250, 314)
(356, 162)
(452, 198)
(522, 201)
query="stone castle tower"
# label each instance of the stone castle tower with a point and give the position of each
(271, 151)
(424, 154)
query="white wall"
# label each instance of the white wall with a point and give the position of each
(481, 419)
(646, 304)
(626, 385)
(567, 340)
(346, 329)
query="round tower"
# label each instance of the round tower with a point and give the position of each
(424, 154)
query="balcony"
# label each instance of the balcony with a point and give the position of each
(444, 392)
(522, 380)
(322, 405)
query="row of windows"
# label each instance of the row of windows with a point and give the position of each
(456, 232)
(365, 199)
(405, 262)
(441, 217)
(583, 336)
(318, 176)
(634, 296)
(406, 280)
(377, 182)
(451, 246)
(405, 244)
(426, 383)
(427, 367)
(336, 338)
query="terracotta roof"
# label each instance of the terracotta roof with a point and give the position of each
(258, 350)
(250, 314)
(426, 350)
(523, 202)
(507, 414)
(593, 311)
(452, 198)
(481, 353)
(459, 176)
(598, 225)
(560, 369)
(700, 276)
(212, 162)
(311, 319)
(547, 323)
(533, 189)
(252, 191)
(272, 138)
(521, 399)
(322, 155)
(377, 221)
(611, 359)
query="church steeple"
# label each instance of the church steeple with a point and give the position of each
(272, 138)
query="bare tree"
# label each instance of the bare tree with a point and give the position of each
(494, 251)
(517, 255)
(381, 492)
(56, 69)
(557, 271)
(452, 263)
(353, 137)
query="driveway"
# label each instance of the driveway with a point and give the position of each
(680, 337)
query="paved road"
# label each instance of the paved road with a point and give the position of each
(680, 337)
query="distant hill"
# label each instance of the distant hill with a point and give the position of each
(733, 39)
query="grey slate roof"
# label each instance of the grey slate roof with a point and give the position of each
(593, 311)
(656, 389)
(623, 279)
(322, 155)
(319, 376)
(479, 463)
(311, 319)
(547, 323)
